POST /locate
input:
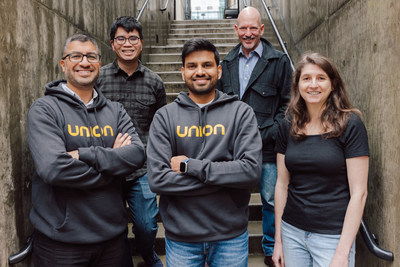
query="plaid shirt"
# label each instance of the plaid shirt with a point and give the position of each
(141, 94)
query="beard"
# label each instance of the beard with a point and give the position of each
(197, 90)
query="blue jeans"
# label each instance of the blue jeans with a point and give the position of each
(143, 211)
(233, 253)
(267, 191)
(302, 248)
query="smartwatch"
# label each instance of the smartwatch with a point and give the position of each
(184, 165)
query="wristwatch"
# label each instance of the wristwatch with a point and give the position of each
(184, 165)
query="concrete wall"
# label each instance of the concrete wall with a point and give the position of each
(362, 37)
(31, 39)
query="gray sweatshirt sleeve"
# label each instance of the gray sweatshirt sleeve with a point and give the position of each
(205, 176)
(52, 162)
(244, 170)
(162, 179)
(116, 161)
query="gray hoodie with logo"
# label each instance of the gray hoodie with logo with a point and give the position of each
(79, 201)
(222, 140)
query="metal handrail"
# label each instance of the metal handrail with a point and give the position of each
(370, 242)
(162, 9)
(141, 10)
(277, 33)
(23, 254)
(165, 7)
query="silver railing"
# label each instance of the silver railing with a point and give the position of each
(162, 9)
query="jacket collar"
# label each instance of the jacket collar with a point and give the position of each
(115, 68)
(268, 51)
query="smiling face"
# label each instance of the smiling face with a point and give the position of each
(80, 75)
(315, 85)
(249, 29)
(127, 52)
(201, 73)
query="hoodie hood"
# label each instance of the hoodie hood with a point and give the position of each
(184, 99)
(54, 88)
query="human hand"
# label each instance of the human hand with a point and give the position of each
(339, 261)
(277, 256)
(122, 140)
(74, 154)
(176, 163)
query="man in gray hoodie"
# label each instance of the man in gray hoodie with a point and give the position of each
(204, 156)
(83, 145)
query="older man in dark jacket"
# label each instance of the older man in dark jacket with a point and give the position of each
(261, 77)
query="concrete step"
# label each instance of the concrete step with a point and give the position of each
(164, 66)
(172, 57)
(175, 87)
(220, 30)
(256, 260)
(177, 48)
(170, 76)
(268, 32)
(231, 21)
(207, 35)
(202, 25)
(214, 40)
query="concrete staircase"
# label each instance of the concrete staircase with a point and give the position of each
(166, 61)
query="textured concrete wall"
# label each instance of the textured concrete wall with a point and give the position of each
(362, 37)
(31, 39)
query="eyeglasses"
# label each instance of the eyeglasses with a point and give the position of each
(132, 40)
(78, 57)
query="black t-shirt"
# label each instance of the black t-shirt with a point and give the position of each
(318, 192)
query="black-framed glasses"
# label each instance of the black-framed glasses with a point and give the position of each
(78, 57)
(122, 40)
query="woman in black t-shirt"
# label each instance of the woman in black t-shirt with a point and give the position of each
(322, 163)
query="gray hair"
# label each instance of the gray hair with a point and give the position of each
(81, 37)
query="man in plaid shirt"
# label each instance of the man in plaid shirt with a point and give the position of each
(142, 92)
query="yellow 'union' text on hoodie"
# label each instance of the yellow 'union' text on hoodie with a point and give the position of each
(199, 131)
(95, 131)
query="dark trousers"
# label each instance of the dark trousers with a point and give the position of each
(51, 253)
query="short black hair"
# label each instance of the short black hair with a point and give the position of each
(128, 24)
(81, 37)
(198, 44)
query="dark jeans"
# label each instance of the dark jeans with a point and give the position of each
(143, 211)
(51, 253)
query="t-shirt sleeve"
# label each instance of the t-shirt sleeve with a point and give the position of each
(282, 137)
(355, 138)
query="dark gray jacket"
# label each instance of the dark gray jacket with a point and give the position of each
(267, 92)
(79, 201)
(210, 201)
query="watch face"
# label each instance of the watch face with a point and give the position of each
(182, 167)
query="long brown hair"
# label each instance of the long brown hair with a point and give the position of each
(336, 114)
